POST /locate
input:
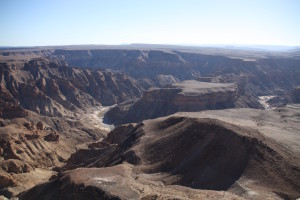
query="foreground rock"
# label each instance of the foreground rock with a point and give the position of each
(204, 150)
(118, 182)
(189, 96)
(31, 147)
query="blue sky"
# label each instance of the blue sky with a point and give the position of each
(196, 22)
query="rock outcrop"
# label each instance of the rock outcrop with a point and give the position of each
(52, 137)
(40, 125)
(9, 106)
(6, 181)
(189, 96)
(16, 166)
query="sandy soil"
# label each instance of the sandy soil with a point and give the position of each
(121, 181)
(95, 117)
(31, 179)
(263, 101)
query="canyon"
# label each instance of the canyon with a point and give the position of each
(149, 122)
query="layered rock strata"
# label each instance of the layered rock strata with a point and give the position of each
(190, 96)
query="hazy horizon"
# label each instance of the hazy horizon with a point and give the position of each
(278, 48)
(178, 22)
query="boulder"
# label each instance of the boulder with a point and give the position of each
(51, 137)
(40, 125)
(6, 180)
(32, 136)
(29, 125)
(15, 166)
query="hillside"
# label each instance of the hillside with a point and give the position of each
(197, 151)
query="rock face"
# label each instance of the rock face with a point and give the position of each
(189, 96)
(9, 106)
(192, 94)
(53, 90)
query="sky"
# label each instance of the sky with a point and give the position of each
(181, 22)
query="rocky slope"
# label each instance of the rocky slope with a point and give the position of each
(117, 182)
(32, 146)
(52, 90)
(200, 151)
(190, 96)
(44, 107)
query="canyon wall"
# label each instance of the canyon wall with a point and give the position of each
(262, 73)
(189, 96)
(53, 90)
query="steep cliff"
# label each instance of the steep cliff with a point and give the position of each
(189, 96)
